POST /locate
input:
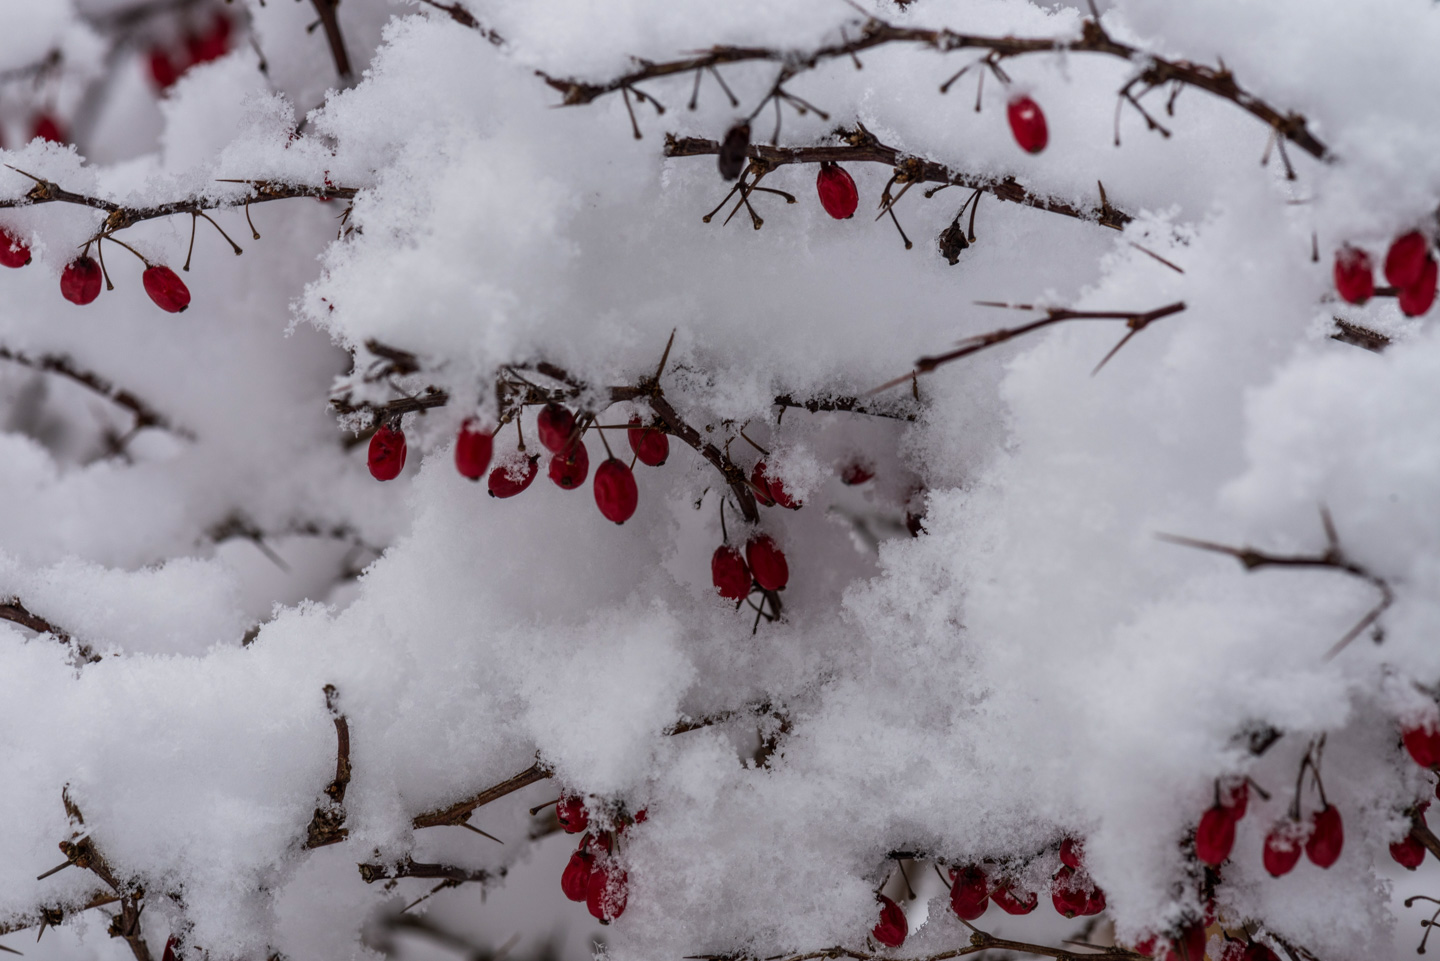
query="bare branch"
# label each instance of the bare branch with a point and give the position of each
(145, 415)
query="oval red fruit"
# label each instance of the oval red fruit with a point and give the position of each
(767, 562)
(80, 281)
(837, 191)
(162, 68)
(1235, 798)
(166, 288)
(729, 573)
(1027, 123)
(473, 449)
(1423, 743)
(503, 484)
(572, 814)
(1406, 258)
(969, 892)
(1408, 852)
(893, 925)
(607, 892)
(1255, 951)
(569, 471)
(1191, 946)
(1006, 900)
(1327, 837)
(1094, 901)
(1068, 893)
(48, 128)
(1072, 853)
(1418, 298)
(387, 453)
(1215, 836)
(1282, 849)
(651, 445)
(1354, 275)
(615, 491)
(575, 880)
(555, 425)
(14, 252)
(773, 488)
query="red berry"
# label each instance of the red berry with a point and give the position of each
(569, 471)
(162, 69)
(1215, 836)
(1354, 275)
(212, 44)
(48, 128)
(1069, 893)
(603, 842)
(1147, 946)
(728, 571)
(169, 954)
(767, 562)
(856, 473)
(970, 892)
(774, 491)
(607, 892)
(1417, 298)
(503, 483)
(14, 252)
(893, 926)
(166, 288)
(575, 880)
(615, 492)
(1256, 951)
(651, 446)
(837, 191)
(1327, 836)
(387, 453)
(556, 426)
(1072, 853)
(1282, 849)
(473, 448)
(1095, 902)
(1235, 798)
(1406, 258)
(1423, 743)
(1027, 123)
(1191, 946)
(1408, 852)
(80, 281)
(570, 811)
(1232, 950)
(1006, 900)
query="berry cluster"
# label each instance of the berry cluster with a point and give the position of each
(82, 277)
(593, 874)
(1410, 269)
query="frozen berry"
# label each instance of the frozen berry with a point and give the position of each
(767, 562)
(570, 811)
(473, 449)
(48, 128)
(507, 479)
(556, 425)
(568, 471)
(1215, 836)
(575, 881)
(1423, 743)
(1327, 836)
(651, 445)
(1094, 901)
(80, 281)
(213, 43)
(1417, 298)
(1255, 951)
(729, 573)
(1408, 852)
(1235, 797)
(771, 490)
(607, 892)
(1406, 258)
(166, 288)
(1354, 275)
(1069, 892)
(969, 892)
(162, 69)
(837, 191)
(1282, 849)
(1072, 853)
(1008, 901)
(387, 453)
(14, 252)
(1027, 123)
(1191, 944)
(615, 492)
(893, 926)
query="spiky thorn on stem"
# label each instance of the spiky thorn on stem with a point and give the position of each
(1053, 315)
(1333, 558)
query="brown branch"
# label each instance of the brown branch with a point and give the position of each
(1357, 336)
(460, 811)
(1156, 71)
(84, 854)
(863, 147)
(145, 415)
(979, 941)
(1136, 322)
(1332, 558)
(16, 613)
(53, 916)
(328, 824)
(1420, 832)
(330, 23)
(463, 17)
(408, 868)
